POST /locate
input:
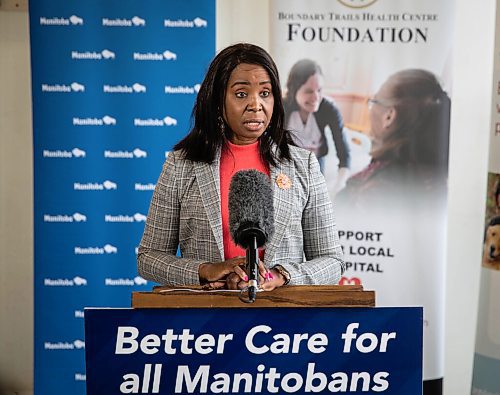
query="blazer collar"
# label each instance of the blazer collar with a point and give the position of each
(283, 206)
(208, 177)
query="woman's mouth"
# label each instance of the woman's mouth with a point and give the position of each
(253, 124)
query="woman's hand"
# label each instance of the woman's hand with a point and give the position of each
(268, 279)
(274, 280)
(213, 273)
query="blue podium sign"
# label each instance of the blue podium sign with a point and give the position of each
(256, 351)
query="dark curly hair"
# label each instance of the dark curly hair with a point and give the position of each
(206, 136)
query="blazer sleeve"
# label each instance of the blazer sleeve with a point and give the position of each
(156, 259)
(323, 254)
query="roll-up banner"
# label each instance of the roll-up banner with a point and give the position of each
(113, 86)
(367, 86)
(487, 358)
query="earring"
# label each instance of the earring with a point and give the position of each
(221, 125)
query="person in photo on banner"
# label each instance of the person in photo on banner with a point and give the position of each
(491, 243)
(308, 113)
(239, 125)
(409, 118)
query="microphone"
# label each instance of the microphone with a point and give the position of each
(251, 218)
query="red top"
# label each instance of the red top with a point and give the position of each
(232, 160)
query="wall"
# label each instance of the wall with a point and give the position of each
(470, 122)
(16, 206)
(240, 20)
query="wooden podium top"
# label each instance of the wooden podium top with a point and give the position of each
(288, 296)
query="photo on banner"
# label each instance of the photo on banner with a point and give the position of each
(367, 89)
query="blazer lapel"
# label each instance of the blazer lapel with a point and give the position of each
(283, 207)
(208, 178)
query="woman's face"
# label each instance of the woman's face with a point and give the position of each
(248, 103)
(382, 113)
(308, 96)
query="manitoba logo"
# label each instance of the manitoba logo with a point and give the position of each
(122, 22)
(72, 20)
(74, 87)
(135, 88)
(108, 120)
(77, 344)
(92, 121)
(93, 55)
(137, 217)
(109, 185)
(107, 54)
(79, 217)
(76, 20)
(136, 153)
(95, 186)
(357, 3)
(65, 282)
(76, 217)
(199, 22)
(78, 153)
(167, 121)
(182, 89)
(80, 377)
(79, 314)
(125, 281)
(138, 21)
(74, 153)
(107, 249)
(140, 217)
(144, 187)
(169, 55)
(196, 22)
(155, 56)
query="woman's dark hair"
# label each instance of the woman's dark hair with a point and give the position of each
(207, 135)
(421, 135)
(298, 76)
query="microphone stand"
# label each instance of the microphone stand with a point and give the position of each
(252, 257)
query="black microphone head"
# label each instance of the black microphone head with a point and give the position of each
(251, 210)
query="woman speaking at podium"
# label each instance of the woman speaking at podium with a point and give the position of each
(239, 125)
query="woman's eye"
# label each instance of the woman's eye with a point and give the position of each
(240, 94)
(265, 94)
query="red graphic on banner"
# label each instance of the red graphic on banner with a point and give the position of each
(350, 281)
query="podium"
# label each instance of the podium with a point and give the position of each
(295, 339)
(288, 296)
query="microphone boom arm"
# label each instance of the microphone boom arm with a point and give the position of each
(252, 237)
(252, 261)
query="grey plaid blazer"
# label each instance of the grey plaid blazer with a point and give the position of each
(185, 212)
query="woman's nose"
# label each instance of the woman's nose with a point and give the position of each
(254, 103)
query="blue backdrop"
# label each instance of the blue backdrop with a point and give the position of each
(113, 86)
